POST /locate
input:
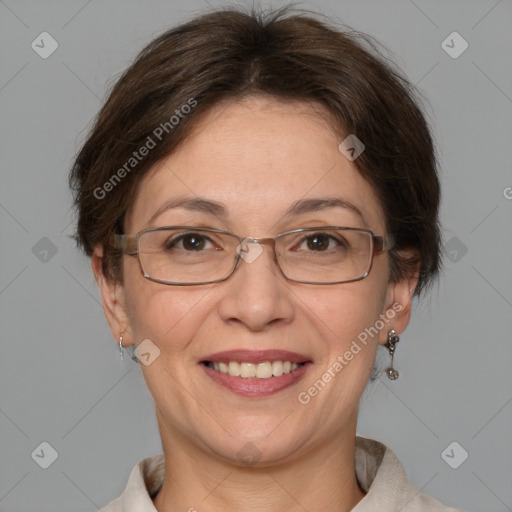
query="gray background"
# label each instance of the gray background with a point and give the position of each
(60, 375)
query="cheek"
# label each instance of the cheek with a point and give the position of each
(343, 312)
(162, 313)
(343, 318)
(166, 316)
(346, 319)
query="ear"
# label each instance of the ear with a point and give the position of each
(113, 299)
(399, 299)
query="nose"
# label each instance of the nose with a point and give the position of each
(256, 295)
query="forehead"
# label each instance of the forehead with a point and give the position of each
(258, 157)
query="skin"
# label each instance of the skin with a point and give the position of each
(257, 157)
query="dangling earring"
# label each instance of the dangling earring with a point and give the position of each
(393, 339)
(121, 351)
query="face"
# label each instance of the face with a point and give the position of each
(257, 158)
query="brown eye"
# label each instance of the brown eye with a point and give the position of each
(188, 242)
(318, 242)
(322, 242)
(194, 242)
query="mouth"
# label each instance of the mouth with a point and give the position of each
(264, 370)
(256, 373)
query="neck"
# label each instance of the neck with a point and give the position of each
(321, 480)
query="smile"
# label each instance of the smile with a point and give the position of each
(264, 370)
(256, 373)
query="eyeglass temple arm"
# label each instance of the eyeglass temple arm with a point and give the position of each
(383, 243)
(127, 244)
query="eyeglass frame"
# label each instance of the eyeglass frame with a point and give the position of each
(129, 245)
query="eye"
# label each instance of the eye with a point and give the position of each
(320, 242)
(189, 242)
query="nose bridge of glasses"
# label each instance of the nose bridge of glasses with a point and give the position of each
(250, 248)
(260, 241)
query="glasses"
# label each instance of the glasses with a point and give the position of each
(185, 255)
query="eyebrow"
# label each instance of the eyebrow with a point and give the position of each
(300, 207)
(194, 204)
(313, 205)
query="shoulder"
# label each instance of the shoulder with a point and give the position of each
(143, 484)
(381, 475)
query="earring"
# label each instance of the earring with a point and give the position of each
(121, 351)
(130, 349)
(393, 339)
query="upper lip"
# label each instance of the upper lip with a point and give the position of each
(256, 356)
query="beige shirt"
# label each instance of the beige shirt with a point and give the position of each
(378, 472)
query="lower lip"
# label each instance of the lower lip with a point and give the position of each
(254, 387)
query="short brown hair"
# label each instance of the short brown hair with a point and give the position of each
(229, 54)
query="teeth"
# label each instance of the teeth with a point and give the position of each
(263, 370)
(234, 369)
(247, 370)
(277, 368)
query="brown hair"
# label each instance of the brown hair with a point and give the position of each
(289, 55)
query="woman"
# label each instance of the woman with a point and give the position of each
(259, 198)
